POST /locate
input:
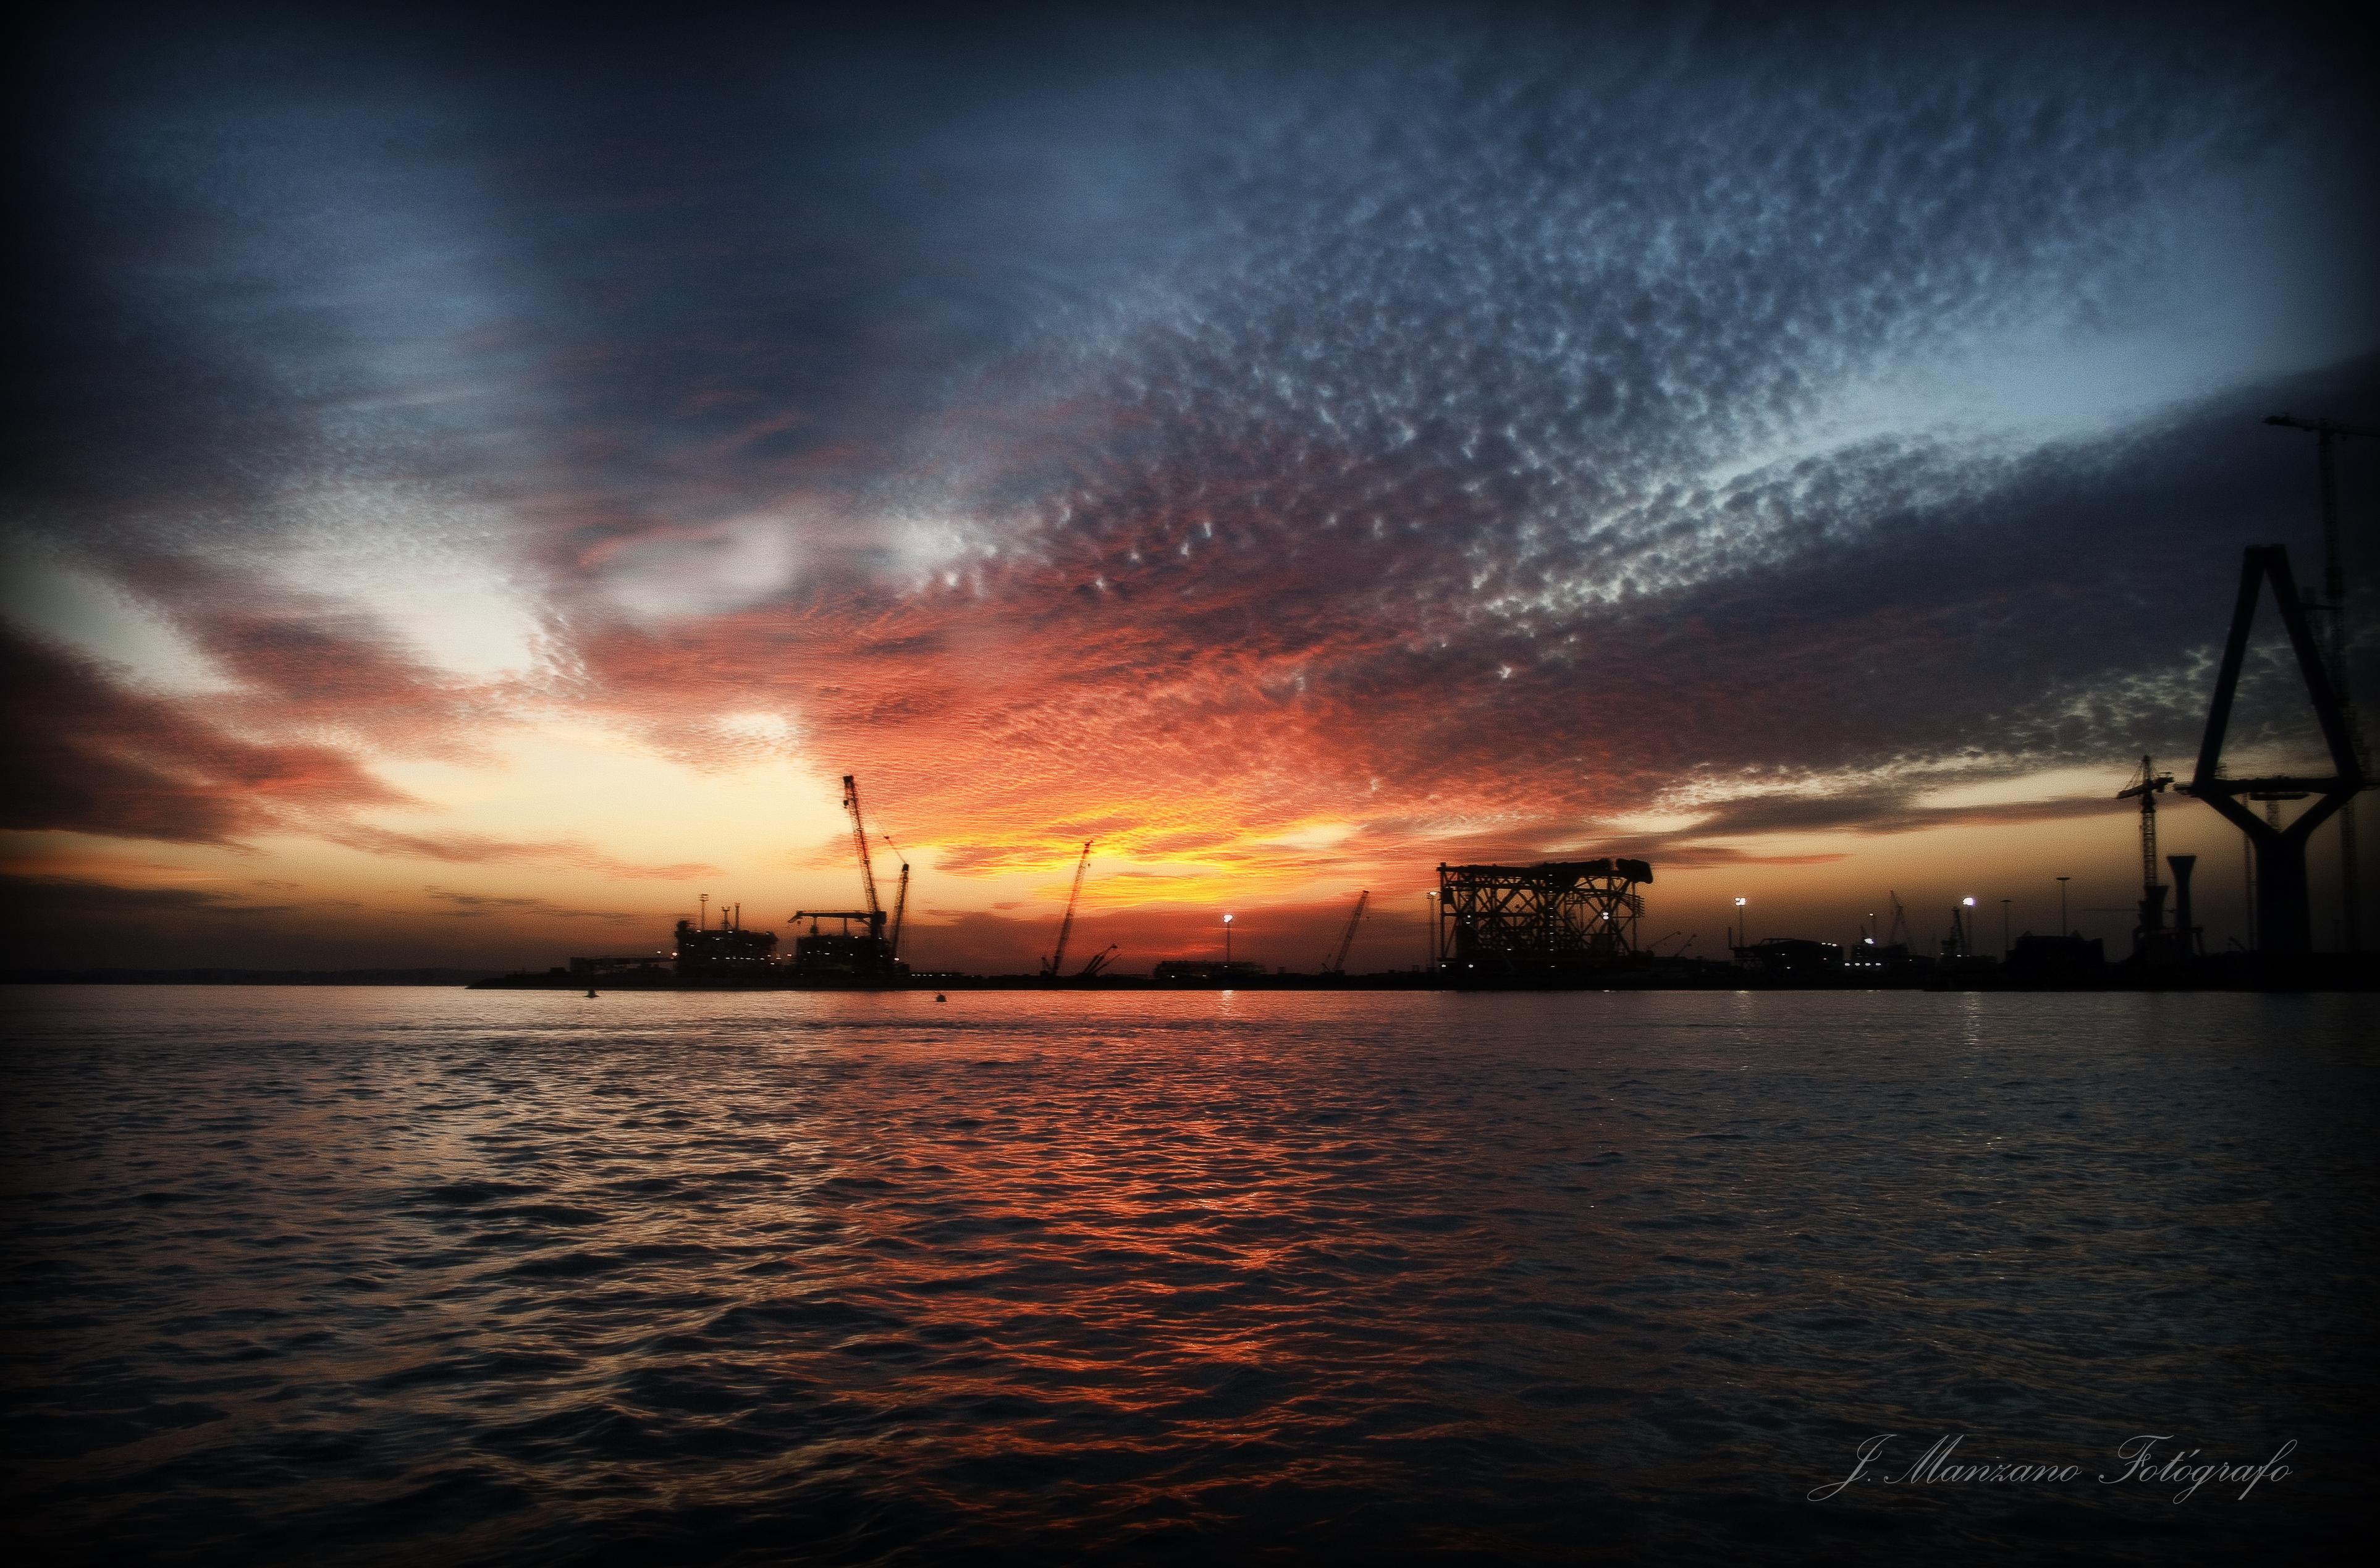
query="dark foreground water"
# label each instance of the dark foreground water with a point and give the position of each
(417, 1276)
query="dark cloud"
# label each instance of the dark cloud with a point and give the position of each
(91, 756)
(476, 904)
(480, 849)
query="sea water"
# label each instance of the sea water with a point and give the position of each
(407, 1275)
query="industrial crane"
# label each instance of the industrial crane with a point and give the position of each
(900, 899)
(1336, 963)
(1065, 927)
(859, 837)
(879, 953)
(2145, 785)
(1098, 961)
(1897, 933)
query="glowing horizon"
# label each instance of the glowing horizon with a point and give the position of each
(1815, 469)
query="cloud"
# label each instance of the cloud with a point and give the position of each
(103, 900)
(479, 849)
(94, 757)
(473, 904)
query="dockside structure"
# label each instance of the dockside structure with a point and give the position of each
(1540, 919)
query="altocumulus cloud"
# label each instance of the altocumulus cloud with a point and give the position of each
(1189, 432)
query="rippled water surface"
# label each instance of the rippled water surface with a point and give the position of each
(411, 1275)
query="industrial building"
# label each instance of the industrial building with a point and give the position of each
(723, 952)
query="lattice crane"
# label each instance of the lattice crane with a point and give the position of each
(1066, 926)
(859, 838)
(1336, 963)
(2145, 785)
(901, 899)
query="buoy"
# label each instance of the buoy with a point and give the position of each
(591, 990)
(940, 997)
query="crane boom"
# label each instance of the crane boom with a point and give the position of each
(859, 837)
(901, 899)
(1337, 963)
(1066, 926)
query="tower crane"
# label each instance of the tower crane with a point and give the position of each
(1336, 963)
(1897, 933)
(2145, 785)
(1065, 927)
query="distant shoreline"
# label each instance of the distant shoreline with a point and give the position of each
(2322, 972)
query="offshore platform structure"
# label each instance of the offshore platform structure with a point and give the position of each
(1540, 919)
(869, 954)
(2284, 919)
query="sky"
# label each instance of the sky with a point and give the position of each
(475, 487)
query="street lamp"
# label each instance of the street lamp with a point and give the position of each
(1226, 940)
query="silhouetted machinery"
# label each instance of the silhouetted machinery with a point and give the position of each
(1335, 962)
(2148, 935)
(2284, 920)
(868, 954)
(1524, 920)
(1050, 966)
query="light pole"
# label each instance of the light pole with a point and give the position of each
(2004, 936)
(1967, 937)
(1429, 936)
(2063, 932)
(1743, 936)
(1227, 942)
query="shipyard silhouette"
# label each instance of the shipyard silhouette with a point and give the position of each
(1576, 924)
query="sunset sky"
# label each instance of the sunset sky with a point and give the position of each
(475, 489)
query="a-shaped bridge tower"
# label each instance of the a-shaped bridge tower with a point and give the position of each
(2283, 918)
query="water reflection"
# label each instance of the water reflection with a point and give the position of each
(487, 1274)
